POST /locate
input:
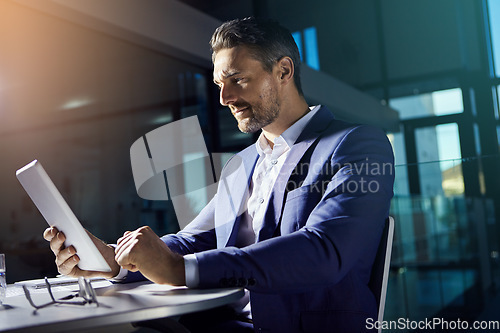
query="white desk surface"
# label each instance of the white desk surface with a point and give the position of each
(119, 304)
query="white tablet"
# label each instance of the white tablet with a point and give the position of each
(57, 213)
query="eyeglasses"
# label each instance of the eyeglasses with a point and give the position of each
(86, 291)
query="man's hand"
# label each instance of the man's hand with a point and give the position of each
(67, 259)
(143, 250)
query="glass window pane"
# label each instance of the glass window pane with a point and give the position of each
(297, 36)
(437, 103)
(498, 135)
(496, 101)
(311, 47)
(401, 186)
(447, 102)
(494, 10)
(439, 157)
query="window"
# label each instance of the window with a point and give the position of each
(494, 11)
(496, 94)
(401, 175)
(437, 103)
(439, 157)
(297, 36)
(307, 42)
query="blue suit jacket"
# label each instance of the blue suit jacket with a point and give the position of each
(309, 270)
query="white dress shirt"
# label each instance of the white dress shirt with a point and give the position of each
(264, 177)
(266, 172)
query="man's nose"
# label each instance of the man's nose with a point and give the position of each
(227, 95)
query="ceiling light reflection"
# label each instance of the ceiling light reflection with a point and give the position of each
(162, 119)
(77, 103)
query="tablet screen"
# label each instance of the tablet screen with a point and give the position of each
(57, 213)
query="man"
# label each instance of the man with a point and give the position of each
(297, 217)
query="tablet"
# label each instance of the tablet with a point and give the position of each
(57, 213)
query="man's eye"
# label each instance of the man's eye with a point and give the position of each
(238, 79)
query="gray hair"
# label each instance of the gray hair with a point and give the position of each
(267, 40)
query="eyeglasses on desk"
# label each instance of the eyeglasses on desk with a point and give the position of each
(86, 292)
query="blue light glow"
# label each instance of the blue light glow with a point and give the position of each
(494, 10)
(297, 36)
(311, 46)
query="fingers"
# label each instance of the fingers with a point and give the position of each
(68, 267)
(65, 254)
(125, 248)
(122, 253)
(49, 233)
(130, 267)
(124, 238)
(57, 242)
(67, 259)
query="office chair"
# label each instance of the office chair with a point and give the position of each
(380, 270)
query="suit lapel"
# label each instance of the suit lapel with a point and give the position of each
(233, 193)
(311, 133)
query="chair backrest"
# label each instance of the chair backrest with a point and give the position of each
(380, 270)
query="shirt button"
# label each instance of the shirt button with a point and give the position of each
(261, 200)
(224, 282)
(232, 282)
(242, 282)
(274, 162)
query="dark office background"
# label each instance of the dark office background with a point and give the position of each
(77, 96)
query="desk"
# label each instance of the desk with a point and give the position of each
(119, 304)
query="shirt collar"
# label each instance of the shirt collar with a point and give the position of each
(289, 136)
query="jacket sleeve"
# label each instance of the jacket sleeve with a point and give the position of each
(198, 235)
(340, 234)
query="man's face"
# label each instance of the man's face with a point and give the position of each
(250, 92)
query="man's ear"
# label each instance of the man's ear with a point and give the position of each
(285, 69)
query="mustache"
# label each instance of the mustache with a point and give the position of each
(239, 106)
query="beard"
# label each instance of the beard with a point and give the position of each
(262, 114)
